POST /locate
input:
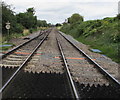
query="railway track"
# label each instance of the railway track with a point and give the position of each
(87, 63)
(88, 76)
(40, 85)
(18, 57)
(70, 73)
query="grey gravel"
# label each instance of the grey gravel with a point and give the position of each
(82, 71)
(47, 61)
(17, 58)
(104, 61)
(18, 41)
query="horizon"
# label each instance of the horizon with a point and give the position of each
(56, 12)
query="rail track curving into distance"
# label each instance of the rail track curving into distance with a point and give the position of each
(70, 73)
(54, 85)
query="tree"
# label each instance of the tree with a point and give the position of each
(9, 15)
(75, 18)
(27, 19)
(31, 10)
(58, 24)
(118, 16)
(69, 20)
(42, 23)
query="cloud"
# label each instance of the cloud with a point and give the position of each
(44, 1)
(57, 11)
(97, 10)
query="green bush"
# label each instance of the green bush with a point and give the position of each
(19, 28)
(75, 18)
(101, 34)
(31, 30)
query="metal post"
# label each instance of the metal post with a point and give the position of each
(8, 32)
(8, 27)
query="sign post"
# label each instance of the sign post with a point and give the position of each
(8, 27)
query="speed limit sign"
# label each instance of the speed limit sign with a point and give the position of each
(7, 26)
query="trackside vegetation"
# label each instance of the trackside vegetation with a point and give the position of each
(19, 22)
(101, 34)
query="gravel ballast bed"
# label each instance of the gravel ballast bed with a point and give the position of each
(110, 66)
(19, 56)
(18, 41)
(48, 60)
(82, 71)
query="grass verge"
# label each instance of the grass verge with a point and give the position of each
(6, 47)
(108, 49)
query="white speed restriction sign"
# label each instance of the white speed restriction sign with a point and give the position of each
(7, 26)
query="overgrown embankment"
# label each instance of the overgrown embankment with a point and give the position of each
(99, 34)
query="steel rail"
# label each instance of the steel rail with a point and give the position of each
(103, 71)
(68, 72)
(23, 64)
(17, 47)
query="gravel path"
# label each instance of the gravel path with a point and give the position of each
(48, 60)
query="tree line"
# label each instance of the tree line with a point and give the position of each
(20, 21)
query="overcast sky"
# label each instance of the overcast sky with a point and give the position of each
(56, 11)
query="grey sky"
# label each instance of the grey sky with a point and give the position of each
(55, 11)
